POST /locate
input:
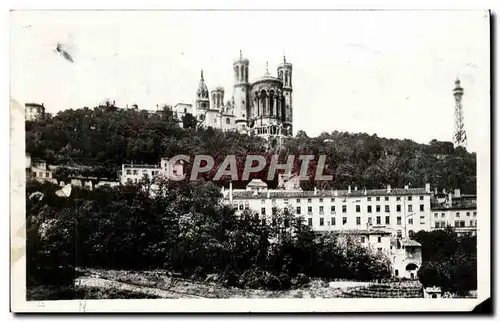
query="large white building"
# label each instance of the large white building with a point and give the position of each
(380, 219)
(402, 211)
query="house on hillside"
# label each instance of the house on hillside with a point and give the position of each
(406, 257)
(455, 210)
(39, 171)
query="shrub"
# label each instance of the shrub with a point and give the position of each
(300, 280)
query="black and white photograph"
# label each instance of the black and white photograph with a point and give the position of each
(163, 160)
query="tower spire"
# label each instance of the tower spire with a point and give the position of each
(459, 137)
(267, 68)
(202, 74)
(241, 54)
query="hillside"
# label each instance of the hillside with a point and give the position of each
(107, 136)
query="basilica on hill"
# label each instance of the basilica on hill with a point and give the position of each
(262, 107)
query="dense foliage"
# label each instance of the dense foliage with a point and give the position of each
(185, 230)
(449, 261)
(107, 136)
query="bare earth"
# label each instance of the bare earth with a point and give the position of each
(159, 283)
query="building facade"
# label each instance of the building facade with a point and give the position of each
(135, 173)
(454, 210)
(402, 211)
(263, 107)
(33, 111)
(39, 171)
(380, 219)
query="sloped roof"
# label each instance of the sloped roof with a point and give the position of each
(409, 242)
(360, 232)
(257, 183)
(329, 193)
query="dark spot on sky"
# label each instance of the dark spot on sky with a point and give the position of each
(60, 49)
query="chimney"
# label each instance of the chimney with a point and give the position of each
(428, 188)
(315, 191)
(355, 188)
(365, 191)
(457, 193)
(388, 188)
(113, 102)
(349, 189)
(406, 187)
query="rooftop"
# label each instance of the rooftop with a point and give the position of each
(141, 166)
(244, 194)
(359, 232)
(410, 242)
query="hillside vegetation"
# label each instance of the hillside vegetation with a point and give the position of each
(107, 136)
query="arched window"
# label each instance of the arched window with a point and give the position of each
(411, 234)
(281, 75)
(237, 73)
(286, 78)
(263, 96)
(271, 103)
(246, 74)
(411, 267)
(228, 121)
(242, 73)
(396, 273)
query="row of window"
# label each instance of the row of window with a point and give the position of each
(436, 215)
(40, 174)
(144, 172)
(309, 200)
(458, 223)
(358, 209)
(378, 221)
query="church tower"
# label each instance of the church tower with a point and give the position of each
(202, 100)
(285, 75)
(240, 92)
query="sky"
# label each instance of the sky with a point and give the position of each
(384, 72)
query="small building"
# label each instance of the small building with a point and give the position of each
(111, 184)
(134, 173)
(40, 172)
(376, 239)
(455, 210)
(432, 292)
(33, 111)
(256, 185)
(406, 256)
(289, 182)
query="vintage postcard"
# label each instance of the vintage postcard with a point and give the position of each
(250, 161)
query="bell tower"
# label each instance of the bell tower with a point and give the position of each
(240, 92)
(202, 100)
(285, 75)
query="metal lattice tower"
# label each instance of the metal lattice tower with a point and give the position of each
(459, 137)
